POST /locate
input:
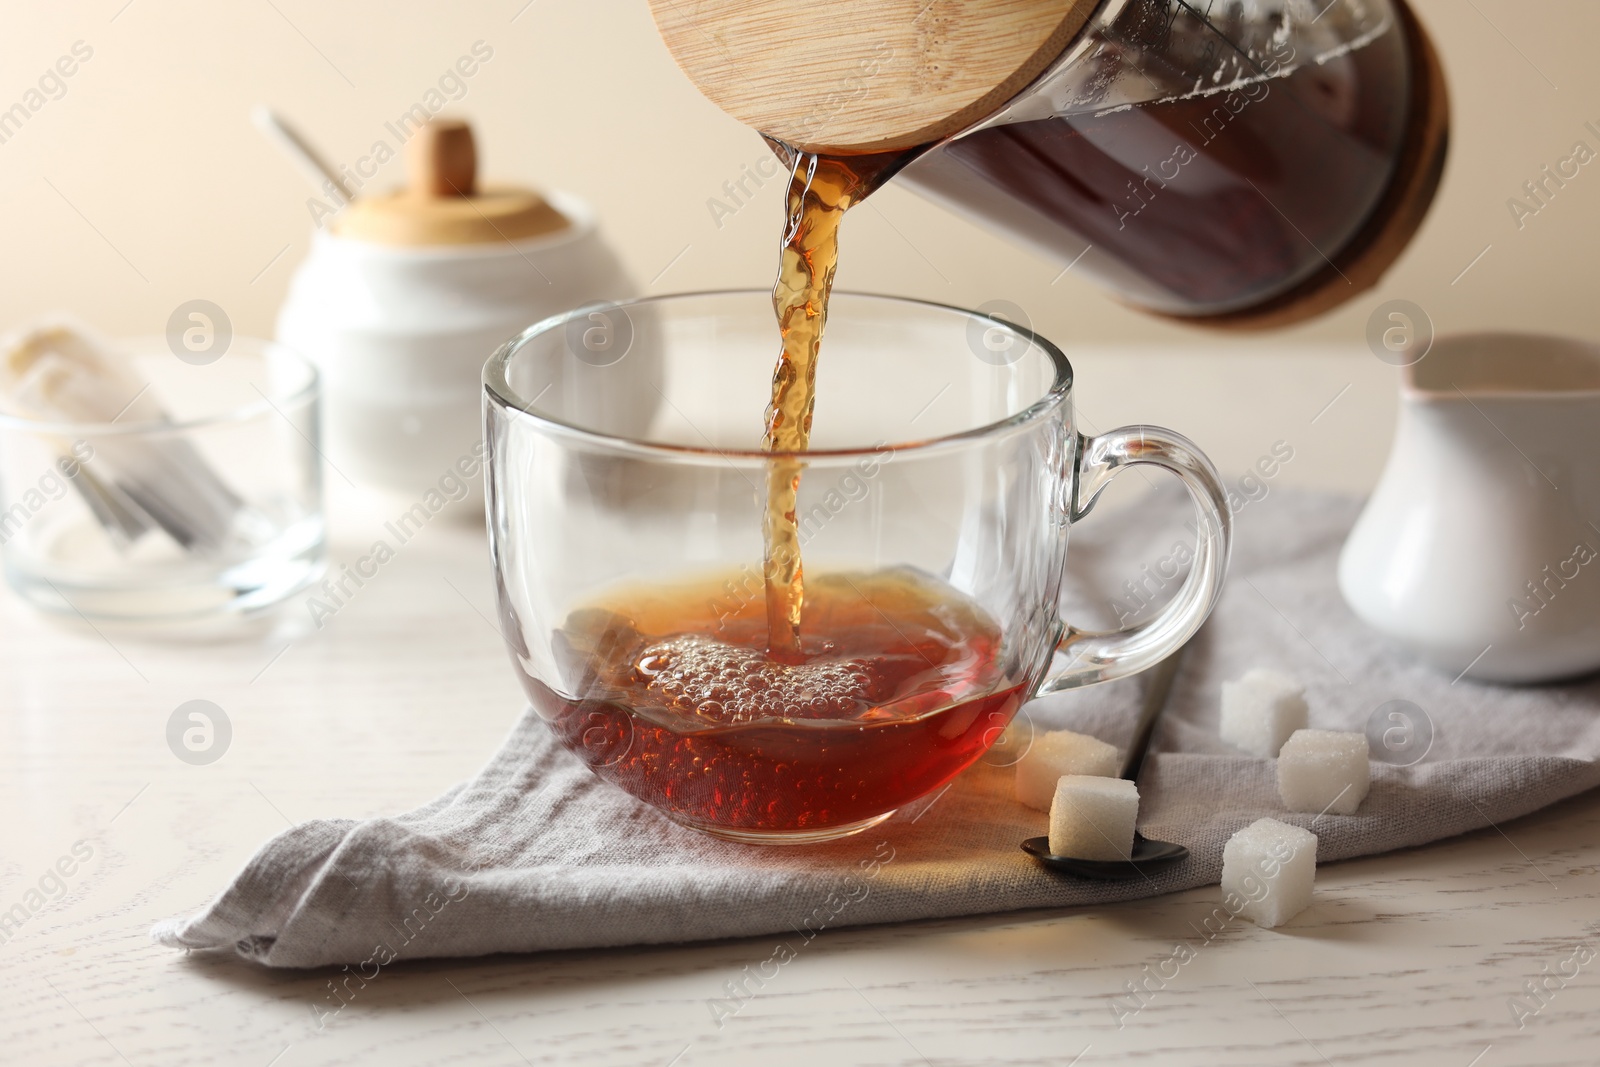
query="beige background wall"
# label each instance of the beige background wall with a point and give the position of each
(145, 184)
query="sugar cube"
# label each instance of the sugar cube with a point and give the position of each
(1324, 771)
(1261, 710)
(1268, 869)
(1057, 753)
(1092, 818)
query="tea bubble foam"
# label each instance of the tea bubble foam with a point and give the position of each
(725, 683)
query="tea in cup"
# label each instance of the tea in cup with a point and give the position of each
(932, 513)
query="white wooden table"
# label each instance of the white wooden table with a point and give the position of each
(1410, 958)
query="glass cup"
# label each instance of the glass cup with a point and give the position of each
(213, 510)
(626, 504)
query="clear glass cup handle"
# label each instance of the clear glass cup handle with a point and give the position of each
(1094, 657)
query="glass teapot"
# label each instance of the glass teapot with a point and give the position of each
(1246, 164)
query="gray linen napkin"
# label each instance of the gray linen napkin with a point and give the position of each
(535, 853)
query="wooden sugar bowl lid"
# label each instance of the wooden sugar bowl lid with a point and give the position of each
(442, 204)
(848, 77)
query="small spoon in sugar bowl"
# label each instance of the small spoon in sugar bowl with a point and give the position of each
(1149, 856)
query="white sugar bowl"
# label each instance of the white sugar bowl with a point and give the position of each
(403, 299)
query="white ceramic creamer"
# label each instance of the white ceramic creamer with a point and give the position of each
(1480, 548)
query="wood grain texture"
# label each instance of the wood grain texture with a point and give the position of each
(850, 77)
(1406, 959)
